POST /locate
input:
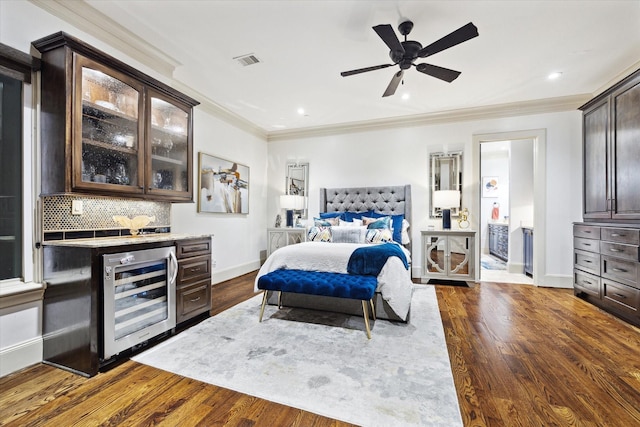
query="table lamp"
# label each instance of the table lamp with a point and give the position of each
(291, 202)
(445, 200)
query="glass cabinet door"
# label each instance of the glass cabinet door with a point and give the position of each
(109, 127)
(170, 148)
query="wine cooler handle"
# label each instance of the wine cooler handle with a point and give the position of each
(174, 262)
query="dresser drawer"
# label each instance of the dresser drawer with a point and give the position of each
(586, 244)
(588, 283)
(619, 270)
(191, 248)
(587, 261)
(194, 268)
(193, 299)
(619, 250)
(622, 297)
(587, 231)
(620, 235)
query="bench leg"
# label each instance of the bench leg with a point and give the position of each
(279, 300)
(366, 318)
(264, 301)
(373, 309)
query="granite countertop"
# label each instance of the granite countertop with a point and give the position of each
(103, 242)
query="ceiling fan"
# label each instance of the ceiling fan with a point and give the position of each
(405, 53)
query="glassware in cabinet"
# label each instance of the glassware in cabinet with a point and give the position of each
(169, 132)
(109, 130)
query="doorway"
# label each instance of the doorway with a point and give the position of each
(506, 209)
(536, 137)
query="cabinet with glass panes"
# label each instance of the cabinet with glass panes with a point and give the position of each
(109, 129)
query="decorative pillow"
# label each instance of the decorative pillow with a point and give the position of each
(348, 234)
(354, 223)
(396, 224)
(377, 223)
(326, 222)
(350, 216)
(379, 235)
(319, 234)
(405, 232)
(324, 215)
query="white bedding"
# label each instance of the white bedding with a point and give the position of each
(394, 280)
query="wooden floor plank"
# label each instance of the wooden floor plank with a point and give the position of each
(520, 355)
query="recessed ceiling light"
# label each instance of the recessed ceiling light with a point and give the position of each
(406, 96)
(301, 111)
(554, 75)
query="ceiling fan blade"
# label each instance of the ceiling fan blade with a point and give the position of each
(389, 37)
(393, 84)
(364, 70)
(460, 35)
(438, 72)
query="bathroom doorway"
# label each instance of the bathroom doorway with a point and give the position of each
(506, 209)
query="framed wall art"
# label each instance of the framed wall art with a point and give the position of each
(223, 185)
(490, 186)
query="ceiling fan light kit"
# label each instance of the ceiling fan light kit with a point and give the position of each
(404, 54)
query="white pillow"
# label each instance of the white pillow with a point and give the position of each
(405, 232)
(354, 223)
(348, 234)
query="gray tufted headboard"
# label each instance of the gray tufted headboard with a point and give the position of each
(393, 200)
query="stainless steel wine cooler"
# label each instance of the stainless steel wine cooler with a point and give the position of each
(139, 297)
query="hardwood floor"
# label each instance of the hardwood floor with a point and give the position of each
(520, 355)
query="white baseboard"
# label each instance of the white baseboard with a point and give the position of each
(233, 272)
(556, 281)
(20, 356)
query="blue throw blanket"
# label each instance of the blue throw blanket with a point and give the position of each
(369, 260)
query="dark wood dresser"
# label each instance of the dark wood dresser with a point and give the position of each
(607, 267)
(606, 245)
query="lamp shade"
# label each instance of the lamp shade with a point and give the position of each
(289, 201)
(446, 199)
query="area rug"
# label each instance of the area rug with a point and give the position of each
(490, 263)
(323, 362)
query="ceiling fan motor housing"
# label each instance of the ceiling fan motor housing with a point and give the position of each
(405, 59)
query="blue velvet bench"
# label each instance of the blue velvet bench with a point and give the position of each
(321, 283)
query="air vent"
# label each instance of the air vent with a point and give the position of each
(246, 60)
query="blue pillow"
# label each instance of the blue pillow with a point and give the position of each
(350, 216)
(380, 223)
(396, 224)
(324, 215)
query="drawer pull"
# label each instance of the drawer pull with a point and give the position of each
(195, 299)
(193, 270)
(587, 244)
(620, 295)
(614, 250)
(587, 231)
(619, 270)
(587, 282)
(587, 261)
(617, 235)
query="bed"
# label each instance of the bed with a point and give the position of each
(393, 294)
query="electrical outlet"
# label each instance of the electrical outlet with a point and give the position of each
(214, 263)
(76, 207)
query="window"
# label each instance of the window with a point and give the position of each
(10, 177)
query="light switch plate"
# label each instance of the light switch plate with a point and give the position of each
(76, 207)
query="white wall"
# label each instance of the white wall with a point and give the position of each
(400, 156)
(520, 200)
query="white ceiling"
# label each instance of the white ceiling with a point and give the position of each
(304, 45)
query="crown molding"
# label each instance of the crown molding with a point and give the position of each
(81, 15)
(539, 106)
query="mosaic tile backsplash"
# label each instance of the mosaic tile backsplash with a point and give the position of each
(98, 212)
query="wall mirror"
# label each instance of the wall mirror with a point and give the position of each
(446, 174)
(298, 184)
